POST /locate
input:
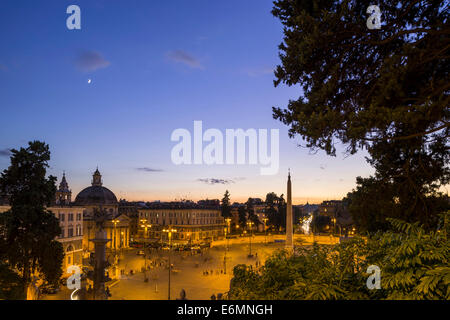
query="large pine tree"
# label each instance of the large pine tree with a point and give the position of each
(385, 90)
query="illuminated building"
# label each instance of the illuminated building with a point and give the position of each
(193, 222)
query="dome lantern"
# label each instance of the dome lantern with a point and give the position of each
(97, 179)
(96, 194)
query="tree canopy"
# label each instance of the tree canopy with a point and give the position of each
(225, 205)
(29, 229)
(360, 85)
(385, 90)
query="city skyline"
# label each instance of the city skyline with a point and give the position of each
(251, 151)
(115, 103)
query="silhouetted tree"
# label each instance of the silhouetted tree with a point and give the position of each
(225, 205)
(29, 229)
(242, 217)
(385, 90)
(281, 212)
(272, 213)
(373, 201)
(251, 216)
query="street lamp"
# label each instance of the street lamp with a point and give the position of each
(227, 230)
(115, 221)
(265, 230)
(145, 226)
(169, 232)
(228, 220)
(225, 256)
(250, 224)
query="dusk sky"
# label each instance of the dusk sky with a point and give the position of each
(154, 66)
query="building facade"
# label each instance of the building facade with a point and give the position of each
(71, 237)
(193, 223)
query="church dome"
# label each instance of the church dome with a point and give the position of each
(96, 194)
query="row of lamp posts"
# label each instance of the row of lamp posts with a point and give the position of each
(169, 232)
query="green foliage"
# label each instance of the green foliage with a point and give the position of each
(313, 273)
(29, 230)
(414, 264)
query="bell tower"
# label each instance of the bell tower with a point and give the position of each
(63, 194)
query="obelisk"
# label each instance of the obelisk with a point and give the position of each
(289, 230)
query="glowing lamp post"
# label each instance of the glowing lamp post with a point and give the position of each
(250, 224)
(265, 229)
(169, 233)
(115, 221)
(145, 226)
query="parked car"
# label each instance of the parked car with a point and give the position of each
(140, 253)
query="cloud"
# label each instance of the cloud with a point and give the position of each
(261, 71)
(5, 152)
(89, 61)
(147, 169)
(216, 181)
(185, 58)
